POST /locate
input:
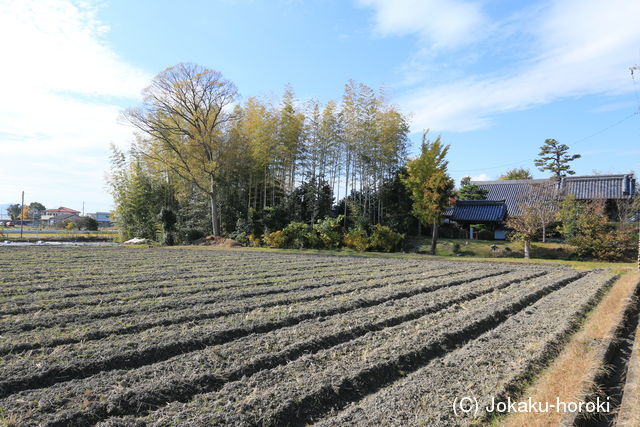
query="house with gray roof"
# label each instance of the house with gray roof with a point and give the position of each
(505, 196)
(610, 187)
(478, 211)
(512, 191)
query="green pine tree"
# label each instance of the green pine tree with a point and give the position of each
(554, 157)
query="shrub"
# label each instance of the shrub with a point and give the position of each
(299, 235)
(329, 231)
(254, 241)
(610, 244)
(384, 239)
(356, 239)
(296, 235)
(596, 238)
(569, 215)
(275, 239)
(312, 239)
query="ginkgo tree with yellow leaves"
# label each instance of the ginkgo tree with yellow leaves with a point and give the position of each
(429, 184)
(182, 116)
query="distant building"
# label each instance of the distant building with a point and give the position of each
(103, 218)
(54, 216)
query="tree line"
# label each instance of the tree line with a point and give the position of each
(293, 174)
(257, 165)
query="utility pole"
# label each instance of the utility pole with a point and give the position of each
(632, 69)
(22, 215)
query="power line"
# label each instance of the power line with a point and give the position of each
(605, 129)
(575, 142)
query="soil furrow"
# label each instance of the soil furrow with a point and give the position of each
(250, 287)
(95, 327)
(269, 352)
(158, 276)
(495, 366)
(150, 352)
(344, 373)
(25, 304)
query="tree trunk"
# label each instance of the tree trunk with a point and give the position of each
(544, 233)
(249, 194)
(527, 249)
(434, 237)
(213, 201)
(346, 189)
(264, 193)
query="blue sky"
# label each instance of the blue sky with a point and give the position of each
(493, 77)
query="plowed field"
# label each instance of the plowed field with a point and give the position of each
(116, 336)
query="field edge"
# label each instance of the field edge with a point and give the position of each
(571, 375)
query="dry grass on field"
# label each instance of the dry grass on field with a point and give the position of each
(629, 413)
(572, 372)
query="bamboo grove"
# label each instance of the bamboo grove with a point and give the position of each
(223, 163)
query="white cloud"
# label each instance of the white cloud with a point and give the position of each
(57, 46)
(439, 23)
(62, 89)
(573, 48)
(616, 106)
(481, 177)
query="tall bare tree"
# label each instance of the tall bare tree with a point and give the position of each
(543, 203)
(182, 118)
(537, 209)
(525, 228)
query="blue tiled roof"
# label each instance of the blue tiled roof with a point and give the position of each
(583, 187)
(510, 191)
(479, 211)
(600, 186)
